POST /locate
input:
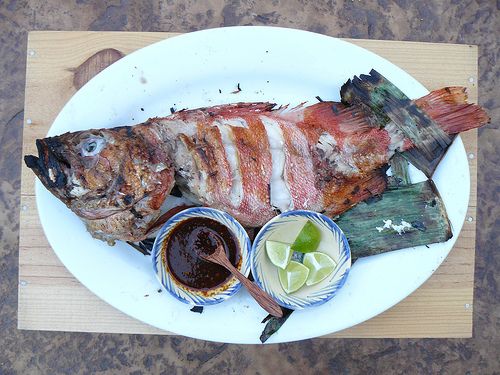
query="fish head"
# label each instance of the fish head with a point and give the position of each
(100, 172)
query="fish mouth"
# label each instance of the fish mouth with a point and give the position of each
(50, 166)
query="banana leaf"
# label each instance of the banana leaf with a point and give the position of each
(399, 167)
(404, 216)
(274, 324)
(383, 103)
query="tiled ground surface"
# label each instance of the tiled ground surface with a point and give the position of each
(473, 22)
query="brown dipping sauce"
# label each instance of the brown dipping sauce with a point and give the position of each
(187, 240)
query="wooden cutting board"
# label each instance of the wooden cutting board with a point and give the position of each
(50, 298)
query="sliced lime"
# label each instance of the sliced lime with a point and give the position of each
(293, 276)
(308, 238)
(320, 267)
(279, 253)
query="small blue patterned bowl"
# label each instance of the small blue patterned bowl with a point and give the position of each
(287, 226)
(191, 296)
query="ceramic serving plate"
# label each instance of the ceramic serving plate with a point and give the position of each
(202, 69)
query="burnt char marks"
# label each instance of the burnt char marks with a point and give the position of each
(119, 181)
(51, 164)
(176, 192)
(128, 199)
(135, 213)
(340, 196)
(207, 151)
(129, 130)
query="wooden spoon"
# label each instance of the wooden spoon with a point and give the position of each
(263, 299)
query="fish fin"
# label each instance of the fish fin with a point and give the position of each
(286, 108)
(463, 118)
(163, 218)
(339, 196)
(353, 121)
(335, 118)
(447, 95)
(449, 108)
(236, 109)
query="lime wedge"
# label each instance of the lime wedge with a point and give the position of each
(293, 277)
(320, 267)
(308, 238)
(279, 253)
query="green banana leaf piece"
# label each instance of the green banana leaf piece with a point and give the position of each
(404, 216)
(384, 103)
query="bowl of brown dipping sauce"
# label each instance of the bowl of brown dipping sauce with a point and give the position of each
(178, 249)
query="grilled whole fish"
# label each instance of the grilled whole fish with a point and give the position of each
(252, 160)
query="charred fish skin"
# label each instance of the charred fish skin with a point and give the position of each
(114, 179)
(252, 160)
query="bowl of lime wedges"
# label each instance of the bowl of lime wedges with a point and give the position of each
(301, 258)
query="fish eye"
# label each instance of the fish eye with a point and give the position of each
(92, 147)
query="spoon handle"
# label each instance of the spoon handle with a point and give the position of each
(262, 298)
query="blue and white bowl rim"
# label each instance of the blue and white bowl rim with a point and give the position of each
(241, 236)
(309, 214)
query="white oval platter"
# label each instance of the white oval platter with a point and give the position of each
(284, 66)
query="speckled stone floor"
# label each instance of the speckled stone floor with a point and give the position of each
(454, 21)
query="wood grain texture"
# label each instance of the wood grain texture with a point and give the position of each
(50, 298)
(94, 65)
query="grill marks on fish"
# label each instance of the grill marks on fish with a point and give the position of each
(214, 165)
(236, 122)
(342, 193)
(196, 173)
(299, 173)
(231, 159)
(255, 164)
(310, 154)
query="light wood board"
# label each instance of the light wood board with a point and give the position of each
(50, 298)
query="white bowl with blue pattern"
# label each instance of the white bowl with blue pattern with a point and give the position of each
(184, 293)
(285, 228)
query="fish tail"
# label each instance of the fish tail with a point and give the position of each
(446, 95)
(386, 104)
(430, 131)
(448, 107)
